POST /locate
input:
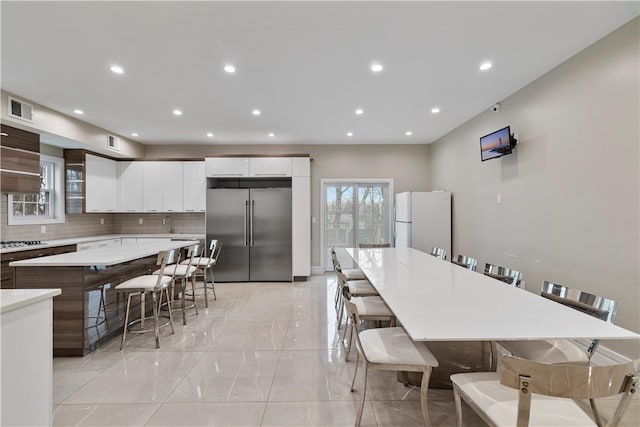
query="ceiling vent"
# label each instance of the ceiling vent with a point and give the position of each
(20, 110)
(113, 142)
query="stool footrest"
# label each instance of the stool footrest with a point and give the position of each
(148, 320)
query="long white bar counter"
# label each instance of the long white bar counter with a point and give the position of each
(436, 300)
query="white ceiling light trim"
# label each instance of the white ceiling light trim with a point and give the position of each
(349, 133)
(78, 111)
(229, 68)
(376, 67)
(485, 66)
(210, 135)
(117, 69)
(435, 110)
(256, 112)
(359, 111)
(134, 134)
(177, 112)
(408, 133)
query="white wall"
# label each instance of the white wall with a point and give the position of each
(56, 128)
(570, 192)
(407, 165)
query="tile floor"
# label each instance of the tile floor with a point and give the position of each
(261, 355)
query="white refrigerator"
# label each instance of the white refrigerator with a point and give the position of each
(423, 220)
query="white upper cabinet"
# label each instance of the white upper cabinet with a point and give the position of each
(152, 185)
(195, 186)
(101, 184)
(301, 166)
(130, 186)
(172, 186)
(226, 167)
(269, 166)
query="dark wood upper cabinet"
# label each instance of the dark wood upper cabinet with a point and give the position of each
(19, 161)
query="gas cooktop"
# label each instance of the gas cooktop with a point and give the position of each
(19, 243)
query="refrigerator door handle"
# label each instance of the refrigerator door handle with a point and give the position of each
(246, 206)
(395, 218)
(251, 209)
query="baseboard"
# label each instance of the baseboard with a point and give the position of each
(316, 269)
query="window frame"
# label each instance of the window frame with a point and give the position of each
(57, 193)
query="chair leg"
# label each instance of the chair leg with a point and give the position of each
(204, 286)
(340, 312)
(166, 293)
(126, 320)
(193, 290)
(154, 297)
(424, 396)
(213, 286)
(364, 392)
(355, 371)
(346, 355)
(183, 285)
(596, 415)
(456, 399)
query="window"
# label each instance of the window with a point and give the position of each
(45, 207)
(355, 212)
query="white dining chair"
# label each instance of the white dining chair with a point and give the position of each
(371, 308)
(529, 393)
(391, 349)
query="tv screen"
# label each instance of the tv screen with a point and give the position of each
(496, 144)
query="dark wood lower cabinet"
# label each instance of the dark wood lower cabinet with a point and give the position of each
(77, 319)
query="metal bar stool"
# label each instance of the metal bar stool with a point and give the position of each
(183, 272)
(153, 284)
(205, 265)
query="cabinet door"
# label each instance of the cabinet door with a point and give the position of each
(109, 185)
(301, 225)
(227, 166)
(172, 183)
(93, 182)
(153, 193)
(269, 166)
(130, 183)
(301, 166)
(195, 186)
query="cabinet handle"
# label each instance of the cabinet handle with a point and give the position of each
(228, 174)
(189, 210)
(271, 174)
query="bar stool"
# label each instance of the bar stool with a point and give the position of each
(439, 252)
(183, 272)
(101, 314)
(154, 284)
(466, 262)
(204, 265)
(506, 275)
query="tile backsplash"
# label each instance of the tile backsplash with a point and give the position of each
(84, 225)
(129, 223)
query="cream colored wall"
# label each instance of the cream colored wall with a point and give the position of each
(570, 192)
(66, 128)
(407, 165)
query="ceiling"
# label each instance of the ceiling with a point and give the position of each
(305, 65)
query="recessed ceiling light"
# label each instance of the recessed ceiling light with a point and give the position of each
(229, 68)
(134, 134)
(485, 66)
(177, 112)
(271, 135)
(78, 111)
(209, 134)
(256, 112)
(408, 133)
(435, 110)
(349, 133)
(359, 112)
(376, 67)
(117, 69)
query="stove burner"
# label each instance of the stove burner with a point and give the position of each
(18, 243)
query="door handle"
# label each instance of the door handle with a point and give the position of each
(246, 206)
(251, 209)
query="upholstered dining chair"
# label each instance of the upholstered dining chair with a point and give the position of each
(390, 349)
(530, 393)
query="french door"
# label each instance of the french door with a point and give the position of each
(354, 212)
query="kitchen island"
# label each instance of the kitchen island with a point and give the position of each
(80, 324)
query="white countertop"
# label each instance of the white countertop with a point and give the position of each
(436, 300)
(103, 256)
(78, 240)
(13, 299)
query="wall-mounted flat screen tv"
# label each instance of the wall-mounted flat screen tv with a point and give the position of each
(496, 144)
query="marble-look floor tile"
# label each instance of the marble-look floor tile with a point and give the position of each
(266, 335)
(142, 378)
(262, 311)
(120, 415)
(208, 414)
(311, 375)
(66, 382)
(311, 335)
(393, 413)
(303, 414)
(228, 376)
(71, 415)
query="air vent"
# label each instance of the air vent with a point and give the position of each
(113, 142)
(20, 110)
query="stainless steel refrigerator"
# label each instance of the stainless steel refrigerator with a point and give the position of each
(254, 226)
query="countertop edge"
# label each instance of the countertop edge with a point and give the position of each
(14, 299)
